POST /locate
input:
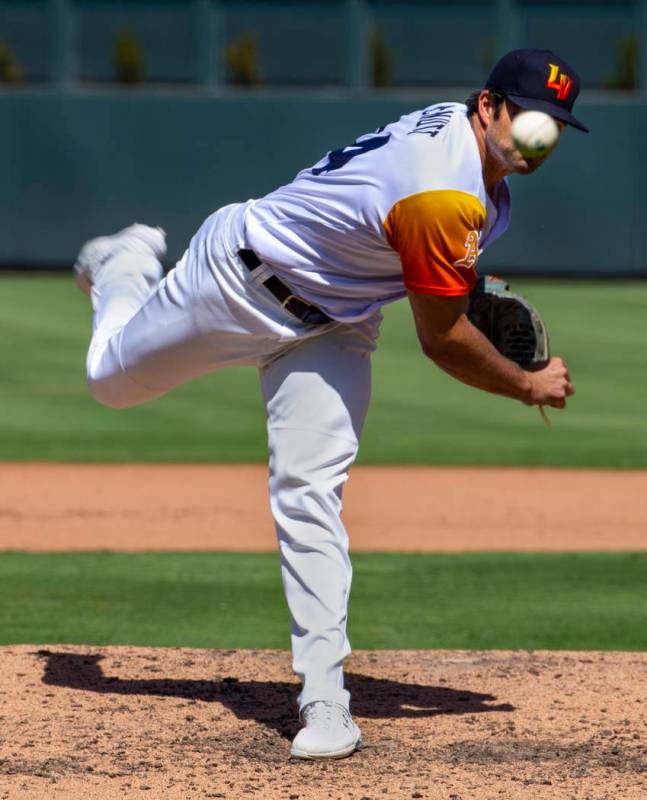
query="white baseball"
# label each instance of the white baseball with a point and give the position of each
(534, 133)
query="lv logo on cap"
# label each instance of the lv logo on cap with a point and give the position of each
(561, 86)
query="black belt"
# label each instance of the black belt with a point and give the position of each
(299, 308)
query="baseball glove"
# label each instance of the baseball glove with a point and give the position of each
(509, 321)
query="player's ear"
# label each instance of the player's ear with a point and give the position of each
(486, 108)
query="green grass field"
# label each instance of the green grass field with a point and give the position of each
(227, 600)
(418, 416)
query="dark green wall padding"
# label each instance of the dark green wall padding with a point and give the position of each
(79, 163)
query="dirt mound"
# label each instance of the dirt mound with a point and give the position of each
(110, 722)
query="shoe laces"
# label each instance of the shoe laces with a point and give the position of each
(325, 714)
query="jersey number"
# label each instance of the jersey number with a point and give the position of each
(337, 158)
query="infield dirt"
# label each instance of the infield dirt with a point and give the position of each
(90, 723)
(116, 722)
(197, 506)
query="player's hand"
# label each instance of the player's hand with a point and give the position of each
(550, 385)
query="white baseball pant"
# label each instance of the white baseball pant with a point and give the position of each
(210, 312)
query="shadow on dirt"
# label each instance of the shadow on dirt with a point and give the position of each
(270, 703)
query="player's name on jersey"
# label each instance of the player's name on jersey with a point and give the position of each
(433, 120)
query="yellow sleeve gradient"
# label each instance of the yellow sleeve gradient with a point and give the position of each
(436, 234)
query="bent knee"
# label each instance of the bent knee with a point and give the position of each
(118, 391)
(108, 395)
(109, 383)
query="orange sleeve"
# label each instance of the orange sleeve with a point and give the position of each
(436, 234)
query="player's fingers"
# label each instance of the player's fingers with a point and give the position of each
(570, 389)
(558, 370)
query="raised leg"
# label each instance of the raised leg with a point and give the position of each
(120, 272)
(152, 334)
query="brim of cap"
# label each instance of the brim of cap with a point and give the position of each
(533, 104)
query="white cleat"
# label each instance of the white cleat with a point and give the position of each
(97, 252)
(329, 732)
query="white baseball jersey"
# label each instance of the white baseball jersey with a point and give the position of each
(403, 207)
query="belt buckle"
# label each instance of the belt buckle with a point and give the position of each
(287, 300)
(303, 309)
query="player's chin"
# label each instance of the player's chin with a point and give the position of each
(526, 166)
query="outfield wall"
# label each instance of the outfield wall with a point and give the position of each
(75, 163)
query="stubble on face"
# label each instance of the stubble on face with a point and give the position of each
(500, 144)
(493, 131)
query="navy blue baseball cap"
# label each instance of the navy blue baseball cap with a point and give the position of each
(538, 80)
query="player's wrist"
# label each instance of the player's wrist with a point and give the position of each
(527, 388)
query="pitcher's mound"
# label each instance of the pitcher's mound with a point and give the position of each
(114, 722)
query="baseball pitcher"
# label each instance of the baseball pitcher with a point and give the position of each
(293, 284)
